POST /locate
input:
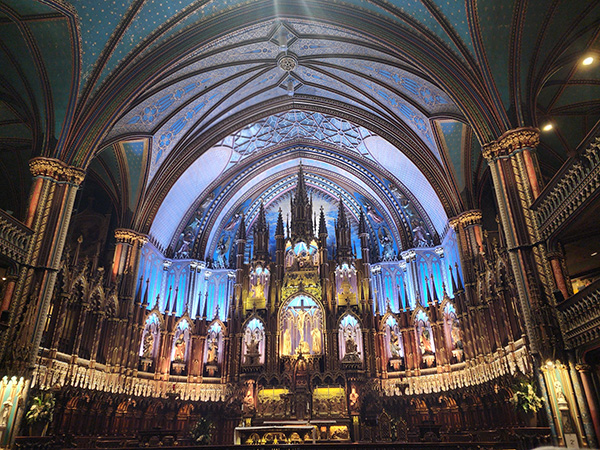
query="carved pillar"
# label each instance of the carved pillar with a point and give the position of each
(96, 336)
(559, 270)
(591, 397)
(51, 201)
(515, 177)
(125, 265)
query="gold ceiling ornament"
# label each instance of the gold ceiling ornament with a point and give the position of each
(130, 236)
(467, 218)
(512, 141)
(56, 169)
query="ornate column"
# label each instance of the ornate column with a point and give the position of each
(51, 201)
(559, 270)
(125, 265)
(469, 234)
(515, 177)
(592, 398)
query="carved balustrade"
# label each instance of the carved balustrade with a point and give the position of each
(14, 238)
(570, 188)
(581, 316)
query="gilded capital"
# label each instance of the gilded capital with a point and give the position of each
(583, 368)
(465, 219)
(512, 141)
(124, 235)
(56, 169)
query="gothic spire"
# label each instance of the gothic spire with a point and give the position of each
(301, 208)
(322, 223)
(261, 236)
(279, 228)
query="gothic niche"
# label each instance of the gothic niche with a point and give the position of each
(393, 343)
(254, 344)
(350, 340)
(259, 285)
(179, 352)
(453, 333)
(213, 354)
(150, 343)
(301, 256)
(424, 337)
(345, 283)
(301, 326)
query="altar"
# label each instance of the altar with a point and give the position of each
(276, 433)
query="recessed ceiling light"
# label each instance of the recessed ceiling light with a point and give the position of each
(547, 127)
(587, 61)
(594, 254)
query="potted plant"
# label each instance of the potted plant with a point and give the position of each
(202, 431)
(40, 414)
(526, 401)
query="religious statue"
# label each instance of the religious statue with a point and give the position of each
(148, 345)
(420, 234)
(303, 347)
(395, 344)
(387, 243)
(213, 351)
(456, 334)
(353, 398)
(248, 402)
(187, 238)
(257, 290)
(350, 344)
(287, 342)
(352, 354)
(252, 351)
(221, 260)
(425, 344)
(316, 340)
(179, 354)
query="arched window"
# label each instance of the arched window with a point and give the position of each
(350, 339)
(253, 348)
(301, 326)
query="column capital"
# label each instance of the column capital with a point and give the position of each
(56, 169)
(124, 235)
(512, 141)
(584, 368)
(472, 217)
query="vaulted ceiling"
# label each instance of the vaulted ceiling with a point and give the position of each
(175, 103)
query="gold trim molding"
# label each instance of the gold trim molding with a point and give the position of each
(56, 169)
(512, 141)
(467, 218)
(124, 235)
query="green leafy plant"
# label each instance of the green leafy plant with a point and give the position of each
(202, 431)
(525, 398)
(41, 409)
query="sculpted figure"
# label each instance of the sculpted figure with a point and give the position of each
(316, 340)
(287, 342)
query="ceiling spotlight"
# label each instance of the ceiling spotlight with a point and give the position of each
(587, 61)
(547, 127)
(594, 254)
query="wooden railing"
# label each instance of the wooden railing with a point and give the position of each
(581, 316)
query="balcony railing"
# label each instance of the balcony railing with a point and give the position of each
(569, 190)
(581, 316)
(14, 238)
